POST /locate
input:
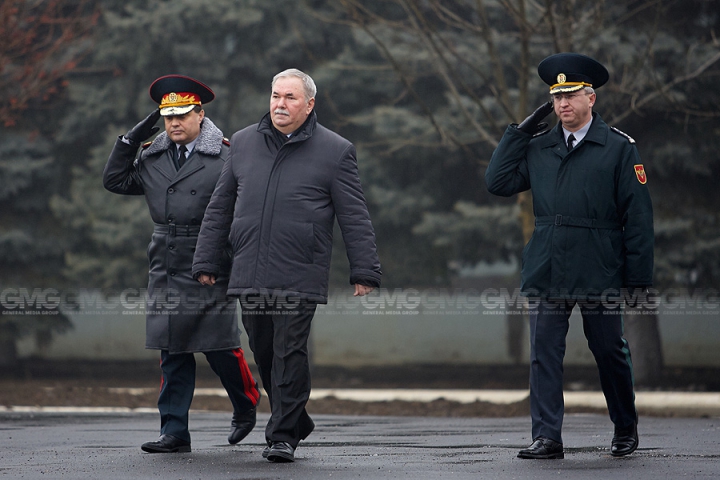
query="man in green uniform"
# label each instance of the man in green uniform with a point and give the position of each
(592, 244)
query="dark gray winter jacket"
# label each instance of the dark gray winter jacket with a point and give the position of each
(277, 203)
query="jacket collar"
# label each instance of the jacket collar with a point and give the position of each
(598, 133)
(303, 133)
(209, 141)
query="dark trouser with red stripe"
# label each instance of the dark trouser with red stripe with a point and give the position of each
(278, 339)
(603, 329)
(178, 385)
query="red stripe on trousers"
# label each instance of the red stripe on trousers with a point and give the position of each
(248, 382)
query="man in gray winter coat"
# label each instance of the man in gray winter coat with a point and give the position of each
(286, 180)
(177, 173)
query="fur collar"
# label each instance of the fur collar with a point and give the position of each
(209, 141)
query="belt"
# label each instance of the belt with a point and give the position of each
(564, 220)
(177, 230)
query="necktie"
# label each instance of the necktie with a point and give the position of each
(181, 155)
(571, 141)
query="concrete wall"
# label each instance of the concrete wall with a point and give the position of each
(394, 328)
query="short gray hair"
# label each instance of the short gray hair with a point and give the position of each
(308, 84)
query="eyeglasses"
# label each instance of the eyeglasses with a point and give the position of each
(558, 97)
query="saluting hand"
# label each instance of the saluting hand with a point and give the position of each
(145, 129)
(532, 123)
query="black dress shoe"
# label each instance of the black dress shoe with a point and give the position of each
(625, 441)
(281, 452)
(543, 448)
(166, 444)
(266, 451)
(242, 424)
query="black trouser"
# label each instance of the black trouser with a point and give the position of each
(278, 338)
(178, 385)
(603, 329)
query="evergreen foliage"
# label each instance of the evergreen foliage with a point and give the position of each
(424, 88)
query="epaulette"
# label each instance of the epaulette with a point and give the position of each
(146, 144)
(226, 141)
(620, 132)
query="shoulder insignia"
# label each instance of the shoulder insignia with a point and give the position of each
(146, 145)
(226, 141)
(640, 173)
(620, 132)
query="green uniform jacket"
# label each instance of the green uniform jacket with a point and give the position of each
(593, 215)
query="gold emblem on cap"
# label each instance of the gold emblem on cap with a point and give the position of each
(179, 99)
(561, 78)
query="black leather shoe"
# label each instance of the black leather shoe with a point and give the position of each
(266, 451)
(625, 441)
(166, 444)
(543, 448)
(242, 424)
(281, 452)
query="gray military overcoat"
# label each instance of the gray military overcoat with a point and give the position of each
(182, 315)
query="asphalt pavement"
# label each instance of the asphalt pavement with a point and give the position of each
(77, 444)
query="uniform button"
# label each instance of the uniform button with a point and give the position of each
(193, 222)
(171, 247)
(192, 192)
(171, 190)
(171, 218)
(172, 273)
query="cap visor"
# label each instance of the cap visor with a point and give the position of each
(167, 111)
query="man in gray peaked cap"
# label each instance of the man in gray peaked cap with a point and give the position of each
(177, 173)
(592, 245)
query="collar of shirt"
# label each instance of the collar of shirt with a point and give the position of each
(190, 147)
(579, 135)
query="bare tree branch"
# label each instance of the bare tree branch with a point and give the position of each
(638, 103)
(39, 46)
(405, 81)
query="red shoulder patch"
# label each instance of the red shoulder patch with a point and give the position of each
(226, 141)
(640, 174)
(146, 144)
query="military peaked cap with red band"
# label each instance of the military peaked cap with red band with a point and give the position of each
(178, 94)
(569, 72)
